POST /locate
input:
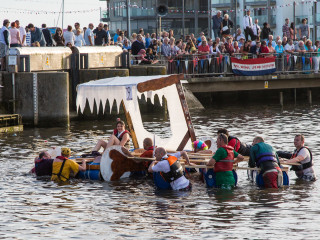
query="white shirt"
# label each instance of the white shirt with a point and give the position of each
(22, 33)
(256, 29)
(289, 47)
(239, 36)
(68, 37)
(79, 40)
(247, 22)
(306, 155)
(164, 166)
(89, 33)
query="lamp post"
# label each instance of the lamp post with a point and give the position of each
(128, 19)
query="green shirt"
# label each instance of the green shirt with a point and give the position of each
(221, 154)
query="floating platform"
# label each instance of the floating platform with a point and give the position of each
(10, 123)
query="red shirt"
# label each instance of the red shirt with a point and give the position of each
(232, 143)
(202, 48)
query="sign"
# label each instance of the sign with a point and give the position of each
(129, 92)
(12, 60)
(253, 67)
(47, 61)
(266, 84)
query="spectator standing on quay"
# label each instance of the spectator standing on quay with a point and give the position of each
(76, 27)
(165, 48)
(4, 43)
(270, 40)
(79, 40)
(216, 20)
(58, 37)
(229, 47)
(241, 42)
(256, 49)
(106, 28)
(137, 45)
(47, 35)
(293, 31)
(286, 29)
(264, 49)
(238, 35)
(148, 40)
(248, 25)
(266, 31)
(304, 29)
(36, 35)
(115, 37)
(226, 24)
(15, 36)
(69, 36)
(101, 36)
(89, 36)
(126, 44)
(256, 29)
(22, 33)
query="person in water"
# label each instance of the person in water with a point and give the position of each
(303, 155)
(120, 136)
(223, 161)
(265, 157)
(43, 164)
(62, 166)
(234, 142)
(171, 169)
(200, 147)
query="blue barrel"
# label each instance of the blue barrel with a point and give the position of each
(260, 182)
(209, 177)
(92, 174)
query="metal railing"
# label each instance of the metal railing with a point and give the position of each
(196, 65)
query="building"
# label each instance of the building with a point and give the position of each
(193, 16)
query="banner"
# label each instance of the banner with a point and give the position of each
(253, 67)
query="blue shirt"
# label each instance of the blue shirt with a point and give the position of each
(216, 22)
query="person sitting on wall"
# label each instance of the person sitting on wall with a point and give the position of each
(171, 169)
(234, 142)
(43, 164)
(62, 166)
(120, 136)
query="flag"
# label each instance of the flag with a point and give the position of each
(253, 67)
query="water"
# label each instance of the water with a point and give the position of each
(128, 209)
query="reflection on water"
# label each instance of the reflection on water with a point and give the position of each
(132, 208)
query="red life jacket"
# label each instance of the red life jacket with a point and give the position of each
(115, 132)
(176, 170)
(225, 164)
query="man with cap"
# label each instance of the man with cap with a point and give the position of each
(4, 43)
(62, 166)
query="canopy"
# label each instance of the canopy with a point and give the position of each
(128, 90)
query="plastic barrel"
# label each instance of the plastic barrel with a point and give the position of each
(89, 173)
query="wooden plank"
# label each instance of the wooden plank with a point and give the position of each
(187, 116)
(17, 128)
(159, 83)
(130, 125)
(184, 142)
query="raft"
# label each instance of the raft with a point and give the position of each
(209, 176)
(257, 178)
(92, 172)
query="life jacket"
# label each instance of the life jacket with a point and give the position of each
(266, 156)
(176, 170)
(241, 148)
(303, 165)
(225, 164)
(148, 154)
(61, 168)
(115, 132)
(43, 167)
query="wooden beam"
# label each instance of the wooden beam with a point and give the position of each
(159, 83)
(184, 142)
(187, 116)
(130, 125)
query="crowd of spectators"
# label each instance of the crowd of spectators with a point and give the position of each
(148, 47)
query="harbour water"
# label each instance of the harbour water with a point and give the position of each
(134, 209)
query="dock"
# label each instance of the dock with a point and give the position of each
(10, 123)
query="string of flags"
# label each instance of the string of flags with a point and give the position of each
(132, 6)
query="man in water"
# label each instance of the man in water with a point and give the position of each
(265, 157)
(234, 142)
(43, 164)
(223, 161)
(171, 168)
(302, 155)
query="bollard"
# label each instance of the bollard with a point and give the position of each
(281, 99)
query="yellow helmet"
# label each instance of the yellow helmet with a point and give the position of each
(66, 152)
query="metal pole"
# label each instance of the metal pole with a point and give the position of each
(13, 93)
(35, 99)
(128, 19)
(294, 20)
(209, 18)
(62, 13)
(183, 18)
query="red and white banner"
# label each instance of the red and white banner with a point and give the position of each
(253, 67)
